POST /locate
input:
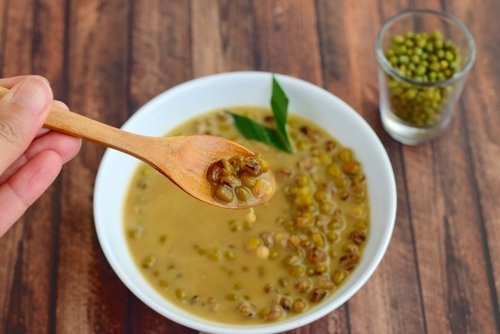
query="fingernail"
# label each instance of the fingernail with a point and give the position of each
(34, 94)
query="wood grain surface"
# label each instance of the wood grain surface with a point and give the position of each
(105, 58)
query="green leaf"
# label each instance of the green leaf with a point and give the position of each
(279, 105)
(253, 130)
(275, 137)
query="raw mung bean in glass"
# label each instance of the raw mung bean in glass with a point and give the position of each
(424, 57)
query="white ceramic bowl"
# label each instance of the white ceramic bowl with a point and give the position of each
(189, 99)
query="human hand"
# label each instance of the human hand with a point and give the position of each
(31, 157)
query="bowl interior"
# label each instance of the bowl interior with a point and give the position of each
(187, 100)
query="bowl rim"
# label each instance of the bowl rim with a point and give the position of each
(287, 324)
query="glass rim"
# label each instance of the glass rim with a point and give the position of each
(385, 64)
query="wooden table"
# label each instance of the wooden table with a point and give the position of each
(441, 273)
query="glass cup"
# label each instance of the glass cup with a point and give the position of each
(422, 76)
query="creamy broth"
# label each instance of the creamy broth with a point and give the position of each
(254, 265)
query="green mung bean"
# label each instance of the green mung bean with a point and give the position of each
(427, 59)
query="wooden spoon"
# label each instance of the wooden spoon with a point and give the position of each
(182, 159)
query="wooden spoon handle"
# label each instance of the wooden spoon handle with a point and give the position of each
(76, 125)
(83, 127)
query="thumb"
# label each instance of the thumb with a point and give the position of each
(22, 112)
